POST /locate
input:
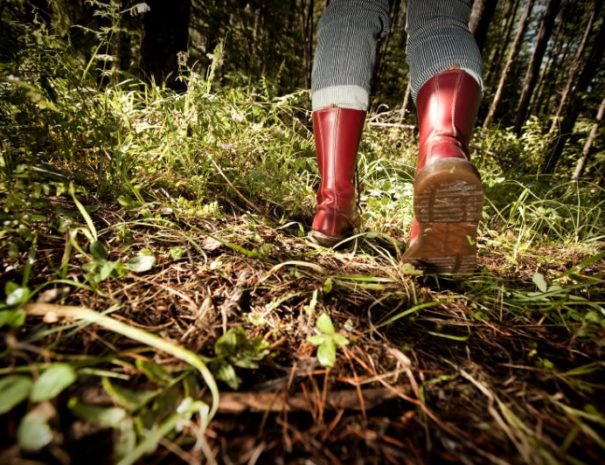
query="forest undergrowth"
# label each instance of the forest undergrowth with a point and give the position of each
(163, 305)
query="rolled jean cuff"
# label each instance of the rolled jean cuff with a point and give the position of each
(347, 96)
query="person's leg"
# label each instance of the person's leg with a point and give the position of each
(445, 68)
(340, 84)
(439, 39)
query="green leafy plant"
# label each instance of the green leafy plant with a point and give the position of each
(14, 389)
(327, 341)
(34, 431)
(100, 268)
(52, 381)
(11, 313)
(235, 349)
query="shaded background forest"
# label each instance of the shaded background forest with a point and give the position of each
(543, 59)
(178, 213)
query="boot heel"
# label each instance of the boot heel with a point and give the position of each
(448, 199)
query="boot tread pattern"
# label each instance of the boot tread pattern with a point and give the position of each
(447, 205)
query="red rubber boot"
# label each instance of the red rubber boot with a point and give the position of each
(448, 196)
(337, 134)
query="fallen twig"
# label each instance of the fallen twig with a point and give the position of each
(238, 402)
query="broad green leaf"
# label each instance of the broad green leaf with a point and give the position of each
(103, 417)
(17, 296)
(141, 263)
(98, 250)
(162, 405)
(540, 282)
(250, 352)
(127, 440)
(326, 353)
(99, 270)
(340, 340)
(225, 372)
(13, 390)
(227, 344)
(328, 285)
(153, 371)
(244, 361)
(190, 385)
(317, 339)
(104, 270)
(33, 432)
(10, 287)
(127, 398)
(128, 202)
(52, 381)
(324, 324)
(13, 318)
(237, 349)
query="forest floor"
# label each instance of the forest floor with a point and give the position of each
(154, 255)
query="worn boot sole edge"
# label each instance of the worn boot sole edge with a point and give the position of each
(448, 200)
(325, 240)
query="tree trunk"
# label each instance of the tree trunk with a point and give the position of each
(495, 62)
(574, 69)
(166, 35)
(308, 31)
(571, 111)
(587, 151)
(406, 100)
(481, 17)
(514, 51)
(556, 56)
(383, 45)
(533, 70)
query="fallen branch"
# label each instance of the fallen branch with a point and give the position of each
(238, 402)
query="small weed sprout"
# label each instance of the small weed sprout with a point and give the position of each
(327, 341)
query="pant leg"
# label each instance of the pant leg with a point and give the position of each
(346, 50)
(439, 39)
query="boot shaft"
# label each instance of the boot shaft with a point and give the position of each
(337, 134)
(448, 196)
(447, 107)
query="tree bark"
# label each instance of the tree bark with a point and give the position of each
(550, 72)
(495, 62)
(166, 35)
(308, 31)
(571, 111)
(575, 68)
(383, 45)
(514, 51)
(481, 17)
(407, 97)
(533, 70)
(587, 150)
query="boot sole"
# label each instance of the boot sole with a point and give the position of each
(324, 240)
(448, 200)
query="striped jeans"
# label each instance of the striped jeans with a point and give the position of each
(438, 39)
